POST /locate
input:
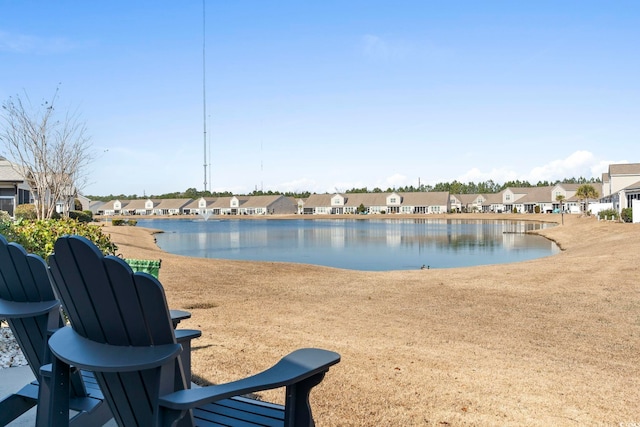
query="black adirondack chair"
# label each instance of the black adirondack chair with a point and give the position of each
(31, 309)
(121, 330)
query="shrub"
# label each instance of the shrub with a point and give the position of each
(514, 210)
(39, 236)
(4, 216)
(80, 216)
(536, 209)
(608, 214)
(117, 221)
(627, 214)
(26, 211)
(88, 213)
(132, 222)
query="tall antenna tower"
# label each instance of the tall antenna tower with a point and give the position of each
(204, 92)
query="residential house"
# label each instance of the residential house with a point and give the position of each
(533, 200)
(201, 206)
(268, 205)
(621, 185)
(374, 203)
(377, 203)
(433, 202)
(492, 202)
(140, 207)
(467, 202)
(112, 207)
(14, 190)
(170, 206)
(227, 205)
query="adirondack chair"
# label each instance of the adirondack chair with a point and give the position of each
(122, 331)
(31, 309)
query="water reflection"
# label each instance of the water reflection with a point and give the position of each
(389, 244)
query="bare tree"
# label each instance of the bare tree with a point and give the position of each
(51, 153)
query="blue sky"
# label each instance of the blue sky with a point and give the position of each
(330, 94)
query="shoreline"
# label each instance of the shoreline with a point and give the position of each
(538, 219)
(551, 341)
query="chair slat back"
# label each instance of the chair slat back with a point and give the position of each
(107, 302)
(24, 278)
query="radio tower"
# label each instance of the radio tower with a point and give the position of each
(204, 94)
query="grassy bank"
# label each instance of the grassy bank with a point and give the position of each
(552, 341)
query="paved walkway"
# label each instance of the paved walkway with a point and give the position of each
(12, 380)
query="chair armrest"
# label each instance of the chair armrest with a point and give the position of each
(68, 346)
(297, 366)
(13, 309)
(177, 316)
(187, 334)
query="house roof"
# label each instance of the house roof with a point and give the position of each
(171, 203)
(225, 202)
(194, 204)
(262, 201)
(317, 200)
(466, 199)
(140, 204)
(536, 195)
(624, 169)
(634, 186)
(9, 172)
(109, 204)
(432, 198)
(492, 199)
(366, 199)
(568, 187)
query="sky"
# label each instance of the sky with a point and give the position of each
(325, 96)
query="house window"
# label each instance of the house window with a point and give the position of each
(6, 204)
(507, 197)
(392, 200)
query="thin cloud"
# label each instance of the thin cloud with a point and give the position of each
(20, 43)
(578, 164)
(377, 48)
(495, 174)
(299, 185)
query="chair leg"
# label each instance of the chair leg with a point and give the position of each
(297, 406)
(53, 397)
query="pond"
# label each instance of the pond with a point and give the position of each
(368, 245)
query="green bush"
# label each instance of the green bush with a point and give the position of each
(117, 221)
(608, 214)
(536, 209)
(81, 216)
(88, 213)
(627, 214)
(39, 236)
(132, 222)
(4, 216)
(26, 211)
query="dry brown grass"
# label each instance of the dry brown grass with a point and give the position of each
(553, 341)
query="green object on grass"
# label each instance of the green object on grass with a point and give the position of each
(151, 266)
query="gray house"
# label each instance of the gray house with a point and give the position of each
(14, 190)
